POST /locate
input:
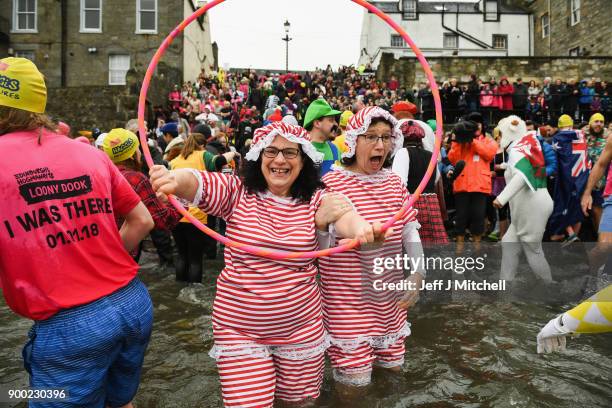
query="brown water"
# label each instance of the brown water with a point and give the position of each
(460, 354)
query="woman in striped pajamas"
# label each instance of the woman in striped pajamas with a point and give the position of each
(367, 325)
(267, 317)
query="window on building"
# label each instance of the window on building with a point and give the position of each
(409, 9)
(397, 41)
(24, 15)
(491, 10)
(24, 54)
(575, 10)
(451, 40)
(118, 66)
(574, 52)
(91, 16)
(146, 16)
(500, 41)
(545, 20)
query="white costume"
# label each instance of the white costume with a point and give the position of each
(530, 203)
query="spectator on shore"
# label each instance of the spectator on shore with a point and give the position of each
(520, 97)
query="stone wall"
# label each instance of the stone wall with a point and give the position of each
(118, 36)
(409, 71)
(107, 107)
(592, 34)
(92, 106)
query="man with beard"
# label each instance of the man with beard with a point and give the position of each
(320, 121)
(596, 136)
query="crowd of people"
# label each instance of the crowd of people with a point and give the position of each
(234, 96)
(284, 163)
(235, 104)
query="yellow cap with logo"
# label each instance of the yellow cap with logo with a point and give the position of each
(120, 144)
(22, 86)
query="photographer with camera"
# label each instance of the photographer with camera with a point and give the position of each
(472, 187)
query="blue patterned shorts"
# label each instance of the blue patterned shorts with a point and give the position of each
(94, 352)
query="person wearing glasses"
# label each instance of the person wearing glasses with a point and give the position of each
(267, 315)
(366, 322)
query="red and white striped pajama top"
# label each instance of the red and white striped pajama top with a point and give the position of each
(264, 306)
(354, 313)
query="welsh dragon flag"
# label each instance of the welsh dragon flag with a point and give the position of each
(526, 156)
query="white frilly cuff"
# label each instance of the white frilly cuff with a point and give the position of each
(254, 350)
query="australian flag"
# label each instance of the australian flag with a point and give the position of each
(572, 175)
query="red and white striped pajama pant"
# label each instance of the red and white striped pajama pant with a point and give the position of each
(354, 367)
(256, 382)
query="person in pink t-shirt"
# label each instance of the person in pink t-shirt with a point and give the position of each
(63, 262)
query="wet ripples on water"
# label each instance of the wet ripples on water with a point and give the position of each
(460, 354)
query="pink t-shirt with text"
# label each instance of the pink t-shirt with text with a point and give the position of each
(59, 244)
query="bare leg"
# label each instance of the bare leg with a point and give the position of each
(351, 387)
(599, 254)
(477, 239)
(460, 244)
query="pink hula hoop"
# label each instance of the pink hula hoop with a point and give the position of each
(285, 254)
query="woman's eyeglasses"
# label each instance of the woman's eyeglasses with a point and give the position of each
(373, 139)
(289, 153)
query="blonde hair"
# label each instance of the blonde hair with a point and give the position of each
(195, 141)
(14, 120)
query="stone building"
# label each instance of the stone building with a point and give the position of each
(571, 27)
(94, 53)
(477, 28)
(78, 43)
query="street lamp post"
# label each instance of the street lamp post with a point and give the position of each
(286, 40)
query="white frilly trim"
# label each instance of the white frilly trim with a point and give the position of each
(253, 350)
(198, 195)
(307, 147)
(353, 379)
(352, 134)
(377, 342)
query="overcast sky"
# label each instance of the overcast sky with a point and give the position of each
(249, 32)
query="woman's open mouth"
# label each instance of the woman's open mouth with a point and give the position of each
(376, 161)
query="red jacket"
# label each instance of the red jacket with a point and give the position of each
(506, 91)
(476, 175)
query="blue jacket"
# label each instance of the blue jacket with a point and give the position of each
(444, 165)
(586, 94)
(550, 157)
